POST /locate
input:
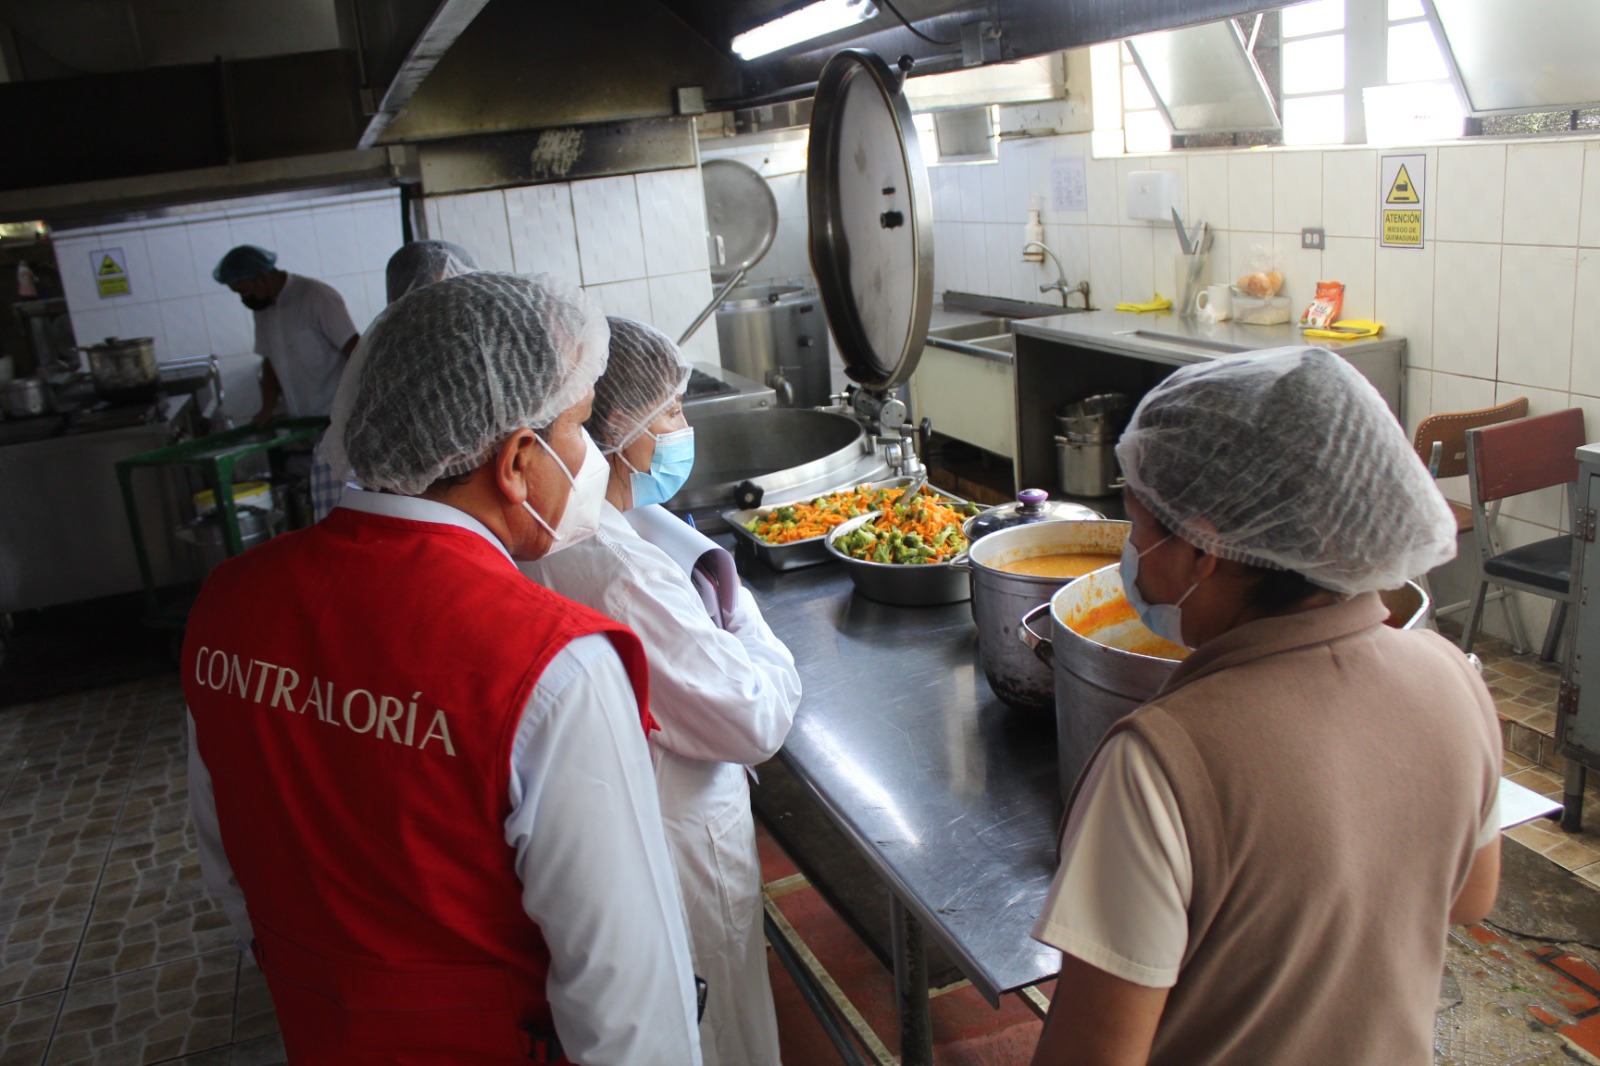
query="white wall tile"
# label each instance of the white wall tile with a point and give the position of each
(1455, 392)
(544, 236)
(672, 220)
(969, 177)
(1418, 399)
(338, 246)
(949, 269)
(610, 238)
(1403, 290)
(1536, 293)
(975, 250)
(377, 294)
(628, 299)
(946, 187)
(1302, 269)
(675, 299)
(1350, 193)
(294, 238)
(992, 190)
(1586, 328)
(1247, 252)
(1105, 266)
(377, 228)
(430, 211)
(142, 320)
(788, 192)
(1589, 222)
(1470, 188)
(1008, 273)
(252, 227)
(1138, 279)
(1018, 192)
(353, 287)
(231, 328)
(77, 273)
(172, 265)
(183, 321)
(790, 252)
(1250, 191)
(1100, 180)
(1544, 184)
(91, 325)
(1296, 191)
(1070, 242)
(1352, 261)
(477, 222)
(1466, 310)
(1208, 190)
(1547, 507)
(208, 243)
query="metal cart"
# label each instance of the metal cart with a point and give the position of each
(1578, 702)
(215, 457)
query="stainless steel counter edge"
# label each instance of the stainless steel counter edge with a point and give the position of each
(1169, 338)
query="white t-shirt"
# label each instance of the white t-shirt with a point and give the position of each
(585, 830)
(303, 335)
(1120, 898)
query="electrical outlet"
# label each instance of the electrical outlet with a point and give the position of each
(1311, 238)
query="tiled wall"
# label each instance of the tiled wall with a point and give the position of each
(345, 241)
(1502, 301)
(636, 243)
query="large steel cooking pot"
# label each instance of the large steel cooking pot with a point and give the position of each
(1000, 599)
(1097, 682)
(122, 366)
(25, 398)
(783, 453)
(774, 333)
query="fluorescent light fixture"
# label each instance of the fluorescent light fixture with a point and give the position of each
(814, 20)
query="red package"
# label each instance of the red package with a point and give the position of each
(1325, 306)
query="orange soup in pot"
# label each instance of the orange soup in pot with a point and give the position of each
(1061, 564)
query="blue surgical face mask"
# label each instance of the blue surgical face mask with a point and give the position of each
(1165, 620)
(669, 468)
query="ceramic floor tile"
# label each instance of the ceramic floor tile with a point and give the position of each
(25, 1029)
(253, 1015)
(262, 1051)
(36, 954)
(150, 1015)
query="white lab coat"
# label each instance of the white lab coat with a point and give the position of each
(725, 698)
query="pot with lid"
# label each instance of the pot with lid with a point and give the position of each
(1086, 446)
(25, 398)
(123, 366)
(1033, 505)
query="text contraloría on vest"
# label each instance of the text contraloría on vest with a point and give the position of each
(359, 710)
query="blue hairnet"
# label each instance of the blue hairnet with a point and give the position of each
(242, 264)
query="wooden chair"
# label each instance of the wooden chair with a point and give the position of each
(1508, 460)
(1441, 442)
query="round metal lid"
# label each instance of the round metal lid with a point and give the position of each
(741, 216)
(871, 219)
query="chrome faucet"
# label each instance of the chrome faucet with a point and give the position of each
(1060, 284)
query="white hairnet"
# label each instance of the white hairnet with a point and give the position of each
(452, 368)
(424, 262)
(646, 372)
(1288, 459)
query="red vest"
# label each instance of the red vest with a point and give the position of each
(356, 687)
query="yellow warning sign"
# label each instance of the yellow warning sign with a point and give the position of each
(1401, 191)
(110, 272)
(1402, 229)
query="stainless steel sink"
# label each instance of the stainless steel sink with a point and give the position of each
(971, 331)
(984, 338)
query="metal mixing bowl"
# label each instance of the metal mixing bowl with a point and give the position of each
(904, 584)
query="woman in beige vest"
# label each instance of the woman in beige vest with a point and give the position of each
(1259, 865)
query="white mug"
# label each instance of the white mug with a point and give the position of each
(1214, 303)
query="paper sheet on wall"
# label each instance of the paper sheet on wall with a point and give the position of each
(1069, 184)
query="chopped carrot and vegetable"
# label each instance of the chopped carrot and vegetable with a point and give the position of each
(924, 531)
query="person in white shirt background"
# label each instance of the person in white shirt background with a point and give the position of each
(327, 840)
(724, 691)
(303, 331)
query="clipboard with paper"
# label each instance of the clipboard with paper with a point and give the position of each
(709, 567)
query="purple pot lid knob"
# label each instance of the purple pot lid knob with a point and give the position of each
(1032, 500)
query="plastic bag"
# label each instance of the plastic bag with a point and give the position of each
(1325, 306)
(1261, 276)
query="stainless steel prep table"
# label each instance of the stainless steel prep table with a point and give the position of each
(948, 794)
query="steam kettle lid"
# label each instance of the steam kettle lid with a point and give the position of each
(1033, 505)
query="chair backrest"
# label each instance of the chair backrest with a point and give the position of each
(1449, 432)
(1522, 456)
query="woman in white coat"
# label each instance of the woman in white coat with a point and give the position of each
(724, 691)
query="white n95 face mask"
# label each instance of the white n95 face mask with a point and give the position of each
(581, 517)
(1165, 620)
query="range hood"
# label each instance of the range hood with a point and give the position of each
(126, 104)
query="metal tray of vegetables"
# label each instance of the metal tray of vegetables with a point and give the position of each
(903, 555)
(791, 534)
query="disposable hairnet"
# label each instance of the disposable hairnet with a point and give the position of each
(645, 374)
(243, 263)
(1288, 459)
(424, 262)
(452, 368)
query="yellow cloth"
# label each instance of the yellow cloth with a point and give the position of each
(1347, 329)
(1160, 303)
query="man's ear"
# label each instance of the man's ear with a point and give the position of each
(515, 465)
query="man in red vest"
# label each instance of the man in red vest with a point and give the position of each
(420, 781)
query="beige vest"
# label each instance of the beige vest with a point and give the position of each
(1332, 774)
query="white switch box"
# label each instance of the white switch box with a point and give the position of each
(1152, 195)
